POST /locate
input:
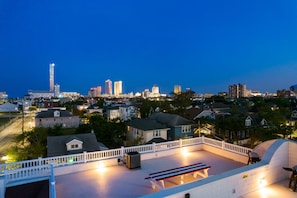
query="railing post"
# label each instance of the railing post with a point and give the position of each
(2, 185)
(52, 183)
(154, 147)
(223, 145)
(180, 143)
(39, 161)
(122, 151)
(85, 156)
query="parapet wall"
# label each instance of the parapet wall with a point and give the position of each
(238, 182)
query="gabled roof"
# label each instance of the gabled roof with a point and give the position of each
(56, 145)
(146, 124)
(50, 113)
(170, 120)
(192, 113)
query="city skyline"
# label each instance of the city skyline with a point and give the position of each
(205, 46)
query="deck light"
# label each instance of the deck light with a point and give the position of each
(101, 167)
(185, 152)
(70, 159)
(4, 158)
(262, 182)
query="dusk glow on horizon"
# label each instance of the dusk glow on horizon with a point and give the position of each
(202, 45)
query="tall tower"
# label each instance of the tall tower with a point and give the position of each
(108, 87)
(118, 90)
(177, 89)
(51, 77)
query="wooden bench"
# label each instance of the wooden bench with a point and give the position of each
(197, 169)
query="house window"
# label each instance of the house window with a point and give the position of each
(248, 122)
(156, 133)
(74, 146)
(186, 129)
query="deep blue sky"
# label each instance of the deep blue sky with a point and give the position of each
(203, 45)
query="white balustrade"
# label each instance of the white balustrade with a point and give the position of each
(115, 153)
(27, 173)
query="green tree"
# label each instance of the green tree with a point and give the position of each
(182, 101)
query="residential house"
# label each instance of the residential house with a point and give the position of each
(94, 110)
(180, 127)
(9, 107)
(292, 120)
(253, 120)
(127, 112)
(71, 144)
(56, 117)
(147, 130)
(112, 113)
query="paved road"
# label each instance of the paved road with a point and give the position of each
(8, 134)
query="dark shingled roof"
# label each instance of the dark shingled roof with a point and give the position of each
(170, 120)
(56, 145)
(156, 140)
(146, 124)
(192, 113)
(50, 113)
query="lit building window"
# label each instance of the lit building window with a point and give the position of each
(156, 133)
(74, 146)
(186, 129)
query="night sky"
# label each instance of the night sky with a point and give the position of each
(202, 45)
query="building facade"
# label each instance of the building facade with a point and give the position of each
(108, 87)
(52, 76)
(56, 117)
(118, 89)
(237, 91)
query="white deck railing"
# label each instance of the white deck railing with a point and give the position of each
(120, 152)
(28, 173)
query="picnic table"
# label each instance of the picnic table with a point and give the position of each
(200, 169)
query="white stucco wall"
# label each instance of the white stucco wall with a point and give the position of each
(238, 182)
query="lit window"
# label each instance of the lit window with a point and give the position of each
(186, 128)
(74, 146)
(156, 133)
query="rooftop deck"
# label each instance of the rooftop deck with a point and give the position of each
(119, 181)
(82, 174)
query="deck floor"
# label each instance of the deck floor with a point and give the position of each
(119, 181)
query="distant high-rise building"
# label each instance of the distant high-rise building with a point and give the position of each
(155, 89)
(99, 90)
(118, 90)
(177, 89)
(237, 91)
(52, 76)
(108, 87)
(95, 91)
(57, 90)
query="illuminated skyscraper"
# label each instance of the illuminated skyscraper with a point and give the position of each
(51, 77)
(155, 90)
(108, 87)
(118, 90)
(177, 89)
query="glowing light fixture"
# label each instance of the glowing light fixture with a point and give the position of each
(262, 182)
(185, 152)
(101, 167)
(4, 158)
(70, 159)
